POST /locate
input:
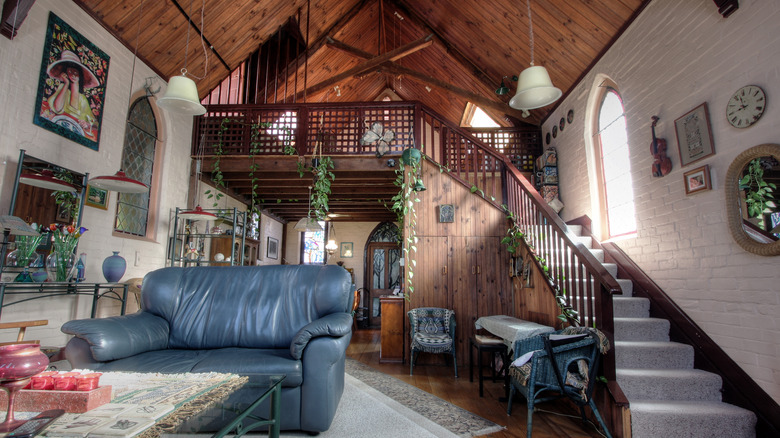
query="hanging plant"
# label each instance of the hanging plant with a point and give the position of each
(404, 205)
(66, 200)
(323, 178)
(759, 195)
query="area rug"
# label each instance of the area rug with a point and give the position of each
(456, 420)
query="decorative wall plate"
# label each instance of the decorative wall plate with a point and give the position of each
(547, 138)
(562, 123)
(570, 116)
(555, 131)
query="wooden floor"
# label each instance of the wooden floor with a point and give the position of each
(439, 380)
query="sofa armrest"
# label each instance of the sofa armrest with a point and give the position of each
(335, 325)
(117, 337)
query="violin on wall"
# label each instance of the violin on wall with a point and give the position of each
(662, 164)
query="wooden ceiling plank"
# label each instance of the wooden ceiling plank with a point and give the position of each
(451, 49)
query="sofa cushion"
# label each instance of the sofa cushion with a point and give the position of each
(234, 306)
(224, 360)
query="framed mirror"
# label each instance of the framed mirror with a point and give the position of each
(45, 193)
(752, 210)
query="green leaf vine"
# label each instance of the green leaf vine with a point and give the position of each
(758, 193)
(514, 239)
(404, 205)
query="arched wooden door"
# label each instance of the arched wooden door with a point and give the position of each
(383, 268)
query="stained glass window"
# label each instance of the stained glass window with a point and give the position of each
(132, 211)
(314, 246)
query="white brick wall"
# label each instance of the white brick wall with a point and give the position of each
(677, 55)
(20, 62)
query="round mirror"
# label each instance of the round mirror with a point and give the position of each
(752, 201)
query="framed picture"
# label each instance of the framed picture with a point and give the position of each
(446, 213)
(272, 248)
(694, 135)
(697, 180)
(96, 197)
(346, 250)
(63, 214)
(71, 66)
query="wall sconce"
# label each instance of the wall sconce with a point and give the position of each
(502, 89)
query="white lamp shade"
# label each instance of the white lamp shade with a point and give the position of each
(119, 182)
(197, 214)
(181, 96)
(331, 246)
(534, 89)
(46, 180)
(308, 224)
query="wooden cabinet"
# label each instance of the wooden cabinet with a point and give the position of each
(391, 348)
(251, 251)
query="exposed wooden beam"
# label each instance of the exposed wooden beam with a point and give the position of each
(475, 98)
(372, 64)
(346, 48)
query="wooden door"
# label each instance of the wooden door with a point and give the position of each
(385, 275)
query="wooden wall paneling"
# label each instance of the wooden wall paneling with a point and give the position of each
(464, 289)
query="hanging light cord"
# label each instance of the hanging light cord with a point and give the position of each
(135, 55)
(530, 30)
(184, 71)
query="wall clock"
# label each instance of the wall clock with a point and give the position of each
(746, 106)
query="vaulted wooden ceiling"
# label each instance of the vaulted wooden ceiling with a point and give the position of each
(473, 44)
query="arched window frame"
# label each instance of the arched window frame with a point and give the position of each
(154, 198)
(604, 87)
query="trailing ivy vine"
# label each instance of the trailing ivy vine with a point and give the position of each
(404, 206)
(758, 193)
(514, 239)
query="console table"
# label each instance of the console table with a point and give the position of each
(36, 291)
(510, 329)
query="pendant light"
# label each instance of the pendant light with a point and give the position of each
(331, 246)
(46, 179)
(118, 182)
(308, 224)
(182, 96)
(534, 87)
(198, 213)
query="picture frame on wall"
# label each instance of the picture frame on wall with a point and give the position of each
(272, 248)
(96, 197)
(697, 180)
(346, 250)
(694, 135)
(71, 65)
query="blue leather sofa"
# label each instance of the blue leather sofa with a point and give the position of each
(291, 319)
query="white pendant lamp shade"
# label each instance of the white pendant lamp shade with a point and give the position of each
(197, 214)
(119, 182)
(181, 96)
(331, 247)
(534, 89)
(46, 180)
(308, 224)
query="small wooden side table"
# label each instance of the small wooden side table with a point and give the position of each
(391, 347)
(487, 344)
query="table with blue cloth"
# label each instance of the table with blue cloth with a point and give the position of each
(510, 329)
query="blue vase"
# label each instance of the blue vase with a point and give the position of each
(114, 267)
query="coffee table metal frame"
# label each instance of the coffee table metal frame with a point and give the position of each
(246, 422)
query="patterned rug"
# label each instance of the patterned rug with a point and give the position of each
(453, 418)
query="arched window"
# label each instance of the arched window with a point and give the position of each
(616, 186)
(133, 209)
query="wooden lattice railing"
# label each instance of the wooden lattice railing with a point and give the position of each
(488, 161)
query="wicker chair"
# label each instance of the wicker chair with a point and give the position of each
(433, 331)
(559, 368)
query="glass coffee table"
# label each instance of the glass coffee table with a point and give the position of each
(235, 415)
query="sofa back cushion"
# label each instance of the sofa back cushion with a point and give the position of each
(243, 306)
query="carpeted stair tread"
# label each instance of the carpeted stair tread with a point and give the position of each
(655, 384)
(585, 240)
(651, 419)
(598, 254)
(612, 268)
(661, 355)
(641, 329)
(630, 307)
(627, 286)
